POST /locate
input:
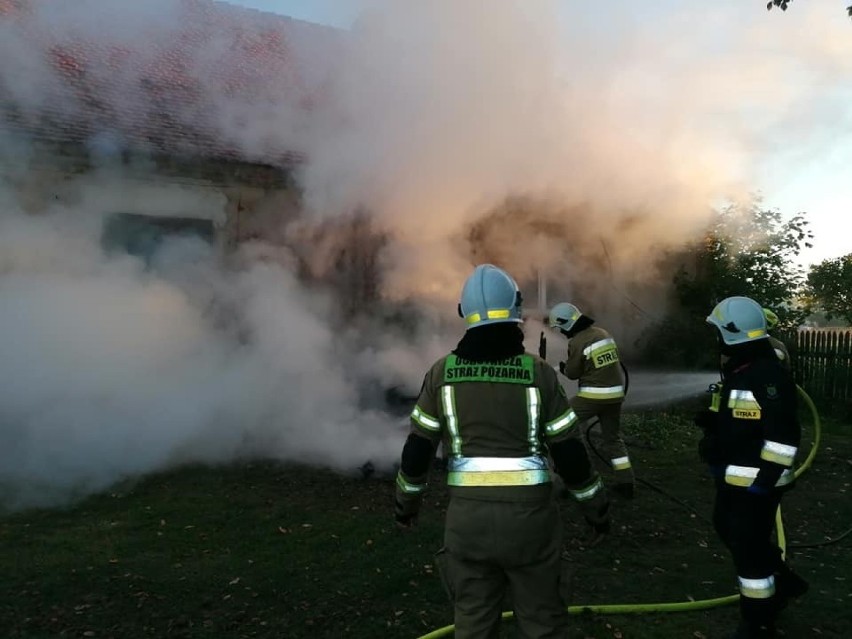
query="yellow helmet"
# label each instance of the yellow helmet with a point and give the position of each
(771, 319)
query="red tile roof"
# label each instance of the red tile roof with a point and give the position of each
(187, 77)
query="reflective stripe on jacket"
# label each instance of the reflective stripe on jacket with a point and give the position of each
(593, 360)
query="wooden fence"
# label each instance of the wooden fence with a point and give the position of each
(822, 362)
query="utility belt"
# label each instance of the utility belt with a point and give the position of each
(498, 471)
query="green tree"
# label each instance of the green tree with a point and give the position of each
(749, 251)
(829, 286)
(783, 4)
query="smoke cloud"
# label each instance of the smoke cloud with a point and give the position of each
(541, 136)
(112, 369)
(611, 133)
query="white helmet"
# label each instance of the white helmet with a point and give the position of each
(563, 316)
(490, 296)
(739, 320)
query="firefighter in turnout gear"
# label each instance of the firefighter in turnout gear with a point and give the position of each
(501, 414)
(751, 436)
(594, 361)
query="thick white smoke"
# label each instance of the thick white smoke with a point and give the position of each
(110, 369)
(619, 122)
(438, 111)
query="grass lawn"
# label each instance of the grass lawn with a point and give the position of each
(272, 550)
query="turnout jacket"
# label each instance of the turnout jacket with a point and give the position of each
(499, 423)
(755, 434)
(594, 361)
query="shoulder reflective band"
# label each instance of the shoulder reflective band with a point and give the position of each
(621, 463)
(515, 370)
(779, 453)
(588, 492)
(533, 410)
(601, 392)
(743, 404)
(562, 423)
(757, 588)
(425, 420)
(602, 353)
(745, 475)
(407, 487)
(498, 471)
(742, 399)
(448, 398)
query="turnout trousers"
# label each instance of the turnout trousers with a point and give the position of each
(613, 448)
(744, 523)
(496, 549)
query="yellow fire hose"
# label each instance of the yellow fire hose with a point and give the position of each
(681, 606)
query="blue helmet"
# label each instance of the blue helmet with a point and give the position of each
(739, 320)
(490, 296)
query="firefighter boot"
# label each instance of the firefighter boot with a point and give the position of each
(757, 619)
(751, 631)
(624, 490)
(788, 585)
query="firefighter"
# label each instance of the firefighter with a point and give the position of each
(501, 414)
(779, 346)
(751, 436)
(594, 361)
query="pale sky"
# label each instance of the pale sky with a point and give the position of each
(808, 171)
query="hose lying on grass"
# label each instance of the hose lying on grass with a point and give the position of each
(700, 604)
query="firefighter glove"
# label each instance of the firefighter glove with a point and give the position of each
(562, 368)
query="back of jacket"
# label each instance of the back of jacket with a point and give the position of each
(594, 361)
(495, 420)
(757, 430)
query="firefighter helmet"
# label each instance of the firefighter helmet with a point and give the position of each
(563, 316)
(490, 296)
(739, 320)
(771, 319)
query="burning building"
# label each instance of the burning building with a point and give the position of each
(375, 165)
(194, 110)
